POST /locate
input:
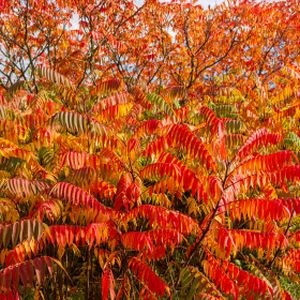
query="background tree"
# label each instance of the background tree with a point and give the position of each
(150, 153)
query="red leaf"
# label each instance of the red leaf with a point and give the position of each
(108, 284)
(147, 276)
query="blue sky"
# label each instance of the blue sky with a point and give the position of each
(204, 3)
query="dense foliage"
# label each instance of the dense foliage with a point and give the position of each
(150, 153)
